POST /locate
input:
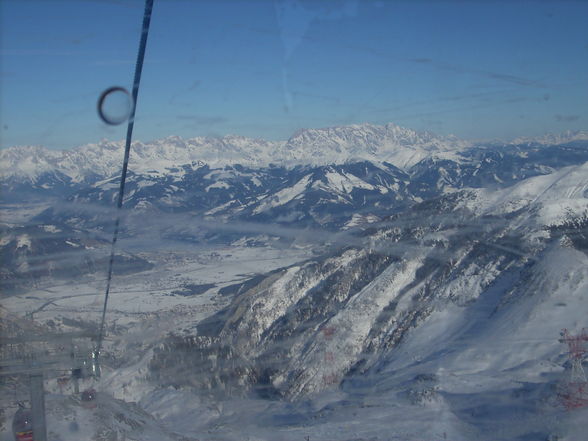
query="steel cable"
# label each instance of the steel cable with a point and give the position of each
(121, 191)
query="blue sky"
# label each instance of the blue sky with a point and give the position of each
(480, 69)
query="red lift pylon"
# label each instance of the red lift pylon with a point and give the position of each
(574, 392)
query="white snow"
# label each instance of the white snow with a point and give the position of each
(344, 182)
(23, 241)
(283, 196)
(217, 184)
(554, 195)
(51, 228)
(360, 219)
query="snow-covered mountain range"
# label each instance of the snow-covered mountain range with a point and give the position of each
(335, 145)
(390, 143)
(336, 179)
(435, 279)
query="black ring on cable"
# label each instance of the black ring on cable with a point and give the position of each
(103, 96)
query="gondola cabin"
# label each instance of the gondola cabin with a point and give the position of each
(22, 425)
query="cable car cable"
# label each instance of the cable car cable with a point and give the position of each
(135, 92)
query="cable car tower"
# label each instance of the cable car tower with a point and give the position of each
(39, 356)
(574, 393)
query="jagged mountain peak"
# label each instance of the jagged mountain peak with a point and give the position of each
(397, 145)
(389, 143)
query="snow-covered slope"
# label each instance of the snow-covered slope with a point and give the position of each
(437, 322)
(449, 251)
(548, 199)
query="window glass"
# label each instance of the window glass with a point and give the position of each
(293, 219)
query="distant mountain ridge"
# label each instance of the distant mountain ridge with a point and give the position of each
(399, 146)
(334, 145)
(334, 178)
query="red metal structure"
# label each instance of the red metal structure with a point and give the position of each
(574, 393)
